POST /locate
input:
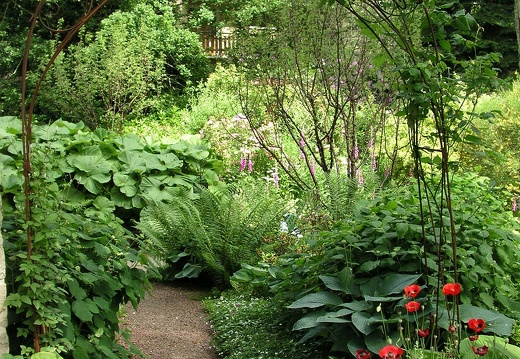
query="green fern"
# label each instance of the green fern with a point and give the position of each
(219, 231)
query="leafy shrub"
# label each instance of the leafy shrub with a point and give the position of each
(84, 184)
(124, 70)
(250, 328)
(77, 277)
(211, 232)
(495, 154)
(73, 274)
(344, 272)
(124, 168)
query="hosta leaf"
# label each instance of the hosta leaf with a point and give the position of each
(334, 283)
(395, 283)
(315, 300)
(496, 322)
(189, 271)
(357, 305)
(332, 318)
(364, 322)
(498, 347)
(308, 321)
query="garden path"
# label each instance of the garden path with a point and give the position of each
(170, 323)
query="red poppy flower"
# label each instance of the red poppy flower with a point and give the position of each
(472, 338)
(451, 289)
(480, 350)
(477, 325)
(362, 354)
(391, 352)
(412, 290)
(412, 306)
(423, 333)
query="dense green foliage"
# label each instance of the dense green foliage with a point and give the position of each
(496, 153)
(211, 232)
(251, 328)
(498, 31)
(70, 280)
(125, 169)
(314, 111)
(132, 66)
(343, 272)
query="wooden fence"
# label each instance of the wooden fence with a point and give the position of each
(216, 45)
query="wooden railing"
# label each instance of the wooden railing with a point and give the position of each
(217, 45)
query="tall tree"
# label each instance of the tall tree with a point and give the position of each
(517, 27)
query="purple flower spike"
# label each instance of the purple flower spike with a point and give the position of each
(243, 163)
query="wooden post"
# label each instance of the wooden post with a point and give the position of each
(4, 341)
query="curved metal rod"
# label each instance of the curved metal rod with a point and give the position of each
(27, 115)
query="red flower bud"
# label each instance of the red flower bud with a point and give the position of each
(362, 354)
(423, 333)
(452, 329)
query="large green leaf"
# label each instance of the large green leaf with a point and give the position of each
(126, 183)
(496, 322)
(364, 322)
(153, 188)
(75, 289)
(315, 300)
(45, 355)
(497, 347)
(189, 271)
(393, 283)
(162, 161)
(10, 125)
(309, 320)
(337, 283)
(93, 169)
(80, 309)
(134, 161)
(129, 142)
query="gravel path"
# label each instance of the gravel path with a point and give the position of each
(171, 324)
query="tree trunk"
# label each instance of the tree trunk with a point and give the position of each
(517, 27)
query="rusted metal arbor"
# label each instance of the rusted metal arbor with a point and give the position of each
(29, 100)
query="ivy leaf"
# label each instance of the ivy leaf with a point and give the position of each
(75, 289)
